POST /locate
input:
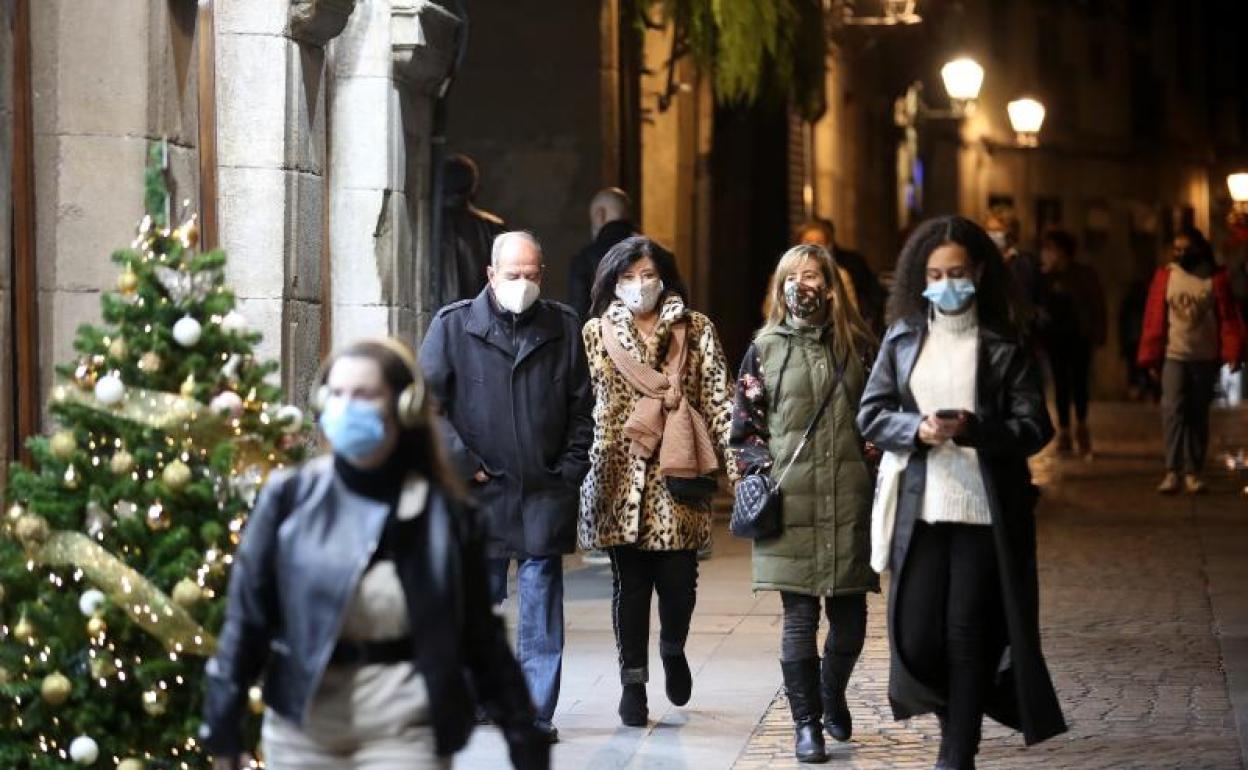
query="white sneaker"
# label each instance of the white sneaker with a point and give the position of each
(1169, 485)
(1193, 484)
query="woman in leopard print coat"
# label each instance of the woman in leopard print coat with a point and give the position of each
(627, 507)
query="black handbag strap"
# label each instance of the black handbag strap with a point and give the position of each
(837, 377)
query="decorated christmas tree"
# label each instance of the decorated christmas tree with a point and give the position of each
(116, 542)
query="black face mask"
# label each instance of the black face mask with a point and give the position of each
(1189, 260)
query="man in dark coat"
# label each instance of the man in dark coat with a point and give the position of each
(610, 220)
(1010, 423)
(509, 372)
(467, 233)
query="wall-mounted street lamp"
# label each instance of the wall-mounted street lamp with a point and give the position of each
(894, 12)
(1026, 117)
(963, 78)
(1237, 183)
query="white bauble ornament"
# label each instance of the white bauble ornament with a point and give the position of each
(234, 323)
(227, 402)
(84, 750)
(109, 390)
(91, 601)
(187, 331)
(290, 417)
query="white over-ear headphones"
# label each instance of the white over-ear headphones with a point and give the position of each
(409, 405)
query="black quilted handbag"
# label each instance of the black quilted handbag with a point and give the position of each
(757, 510)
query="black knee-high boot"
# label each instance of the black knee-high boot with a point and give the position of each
(834, 680)
(801, 684)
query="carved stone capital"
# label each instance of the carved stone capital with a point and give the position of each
(316, 22)
(424, 38)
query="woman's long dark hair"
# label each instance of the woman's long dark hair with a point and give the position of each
(997, 299)
(628, 252)
(420, 447)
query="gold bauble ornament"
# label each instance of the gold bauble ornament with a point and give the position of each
(131, 764)
(63, 444)
(15, 512)
(189, 233)
(158, 518)
(32, 530)
(4, 676)
(56, 689)
(176, 475)
(122, 462)
(118, 348)
(149, 363)
(187, 593)
(24, 631)
(85, 376)
(71, 478)
(128, 282)
(255, 700)
(102, 667)
(155, 702)
(96, 626)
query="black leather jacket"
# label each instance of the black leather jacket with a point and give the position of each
(303, 552)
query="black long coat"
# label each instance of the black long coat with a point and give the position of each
(1010, 424)
(516, 403)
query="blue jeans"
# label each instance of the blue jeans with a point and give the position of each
(539, 635)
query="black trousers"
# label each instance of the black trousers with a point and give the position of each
(847, 626)
(1070, 358)
(947, 624)
(637, 575)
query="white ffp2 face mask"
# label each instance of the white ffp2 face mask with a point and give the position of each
(640, 297)
(518, 295)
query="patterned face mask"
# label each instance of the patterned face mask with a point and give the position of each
(803, 301)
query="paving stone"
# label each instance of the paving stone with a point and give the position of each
(1127, 623)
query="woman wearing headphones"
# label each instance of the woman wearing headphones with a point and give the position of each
(359, 592)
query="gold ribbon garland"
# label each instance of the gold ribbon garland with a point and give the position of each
(146, 604)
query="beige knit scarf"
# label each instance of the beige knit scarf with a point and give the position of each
(663, 420)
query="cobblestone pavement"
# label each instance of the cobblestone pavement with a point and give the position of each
(1129, 630)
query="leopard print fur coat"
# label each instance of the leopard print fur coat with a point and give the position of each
(624, 500)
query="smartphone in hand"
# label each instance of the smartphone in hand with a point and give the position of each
(951, 414)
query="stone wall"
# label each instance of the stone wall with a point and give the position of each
(107, 78)
(272, 94)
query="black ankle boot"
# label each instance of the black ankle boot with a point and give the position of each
(801, 684)
(679, 679)
(833, 681)
(633, 711)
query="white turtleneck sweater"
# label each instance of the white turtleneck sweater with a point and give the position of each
(944, 378)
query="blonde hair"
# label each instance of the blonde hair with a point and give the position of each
(851, 335)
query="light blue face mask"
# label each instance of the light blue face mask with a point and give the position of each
(950, 294)
(354, 428)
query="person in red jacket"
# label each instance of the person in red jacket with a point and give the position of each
(1191, 328)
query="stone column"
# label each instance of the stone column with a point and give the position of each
(388, 64)
(107, 77)
(272, 89)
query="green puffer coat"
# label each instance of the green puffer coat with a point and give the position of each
(824, 549)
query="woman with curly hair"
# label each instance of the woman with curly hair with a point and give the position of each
(807, 367)
(958, 401)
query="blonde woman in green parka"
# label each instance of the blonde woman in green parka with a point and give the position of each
(814, 341)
